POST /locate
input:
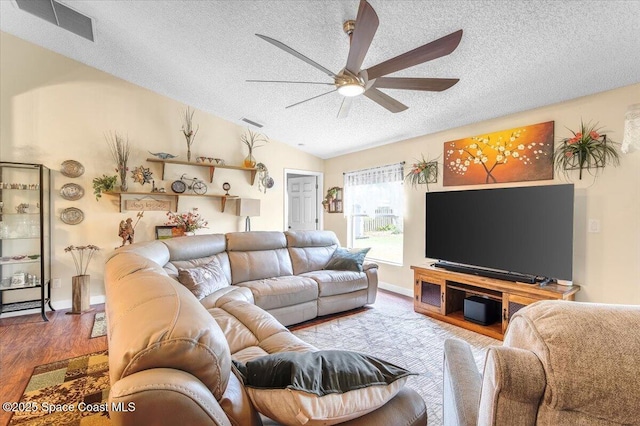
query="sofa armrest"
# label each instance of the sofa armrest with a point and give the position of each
(462, 385)
(512, 387)
(164, 396)
(369, 265)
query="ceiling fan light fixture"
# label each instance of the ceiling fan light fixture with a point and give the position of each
(351, 89)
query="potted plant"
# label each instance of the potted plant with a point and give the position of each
(252, 140)
(587, 149)
(189, 222)
(103, 184)
(422, 172)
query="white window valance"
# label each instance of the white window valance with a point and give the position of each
(382, 174)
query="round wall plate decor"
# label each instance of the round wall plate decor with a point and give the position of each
(71, 191)
(72, 216)
(71, 168)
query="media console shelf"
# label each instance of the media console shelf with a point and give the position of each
(440, 294)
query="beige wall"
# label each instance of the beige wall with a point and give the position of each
(54, 109)
(606, 264)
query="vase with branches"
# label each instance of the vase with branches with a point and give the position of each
(188, 131)
(588, 149)
(252, 140)
(81, 281)
(120, 150)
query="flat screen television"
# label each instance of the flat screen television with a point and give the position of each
(526, 232)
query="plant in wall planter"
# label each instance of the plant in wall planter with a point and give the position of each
(103, 184)
(588, 149)
(423, 172)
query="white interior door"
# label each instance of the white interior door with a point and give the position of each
(303, 207)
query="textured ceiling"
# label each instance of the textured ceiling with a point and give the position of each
(514, 56)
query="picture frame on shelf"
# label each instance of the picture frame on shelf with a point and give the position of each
(165, 232)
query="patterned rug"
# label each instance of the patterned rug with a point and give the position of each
(402, 337)
(99, 325)
(80, 384)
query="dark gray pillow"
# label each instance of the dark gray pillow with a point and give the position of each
(320, 373)
(347, 259)
(324, 387)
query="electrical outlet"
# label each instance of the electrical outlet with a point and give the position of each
(57, 283)
(594, 226)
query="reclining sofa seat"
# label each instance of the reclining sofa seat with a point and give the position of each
(175, 364)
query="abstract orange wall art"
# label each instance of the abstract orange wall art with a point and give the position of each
(520, 154)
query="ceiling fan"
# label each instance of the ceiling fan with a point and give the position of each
(353, 81)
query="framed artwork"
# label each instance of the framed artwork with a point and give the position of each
(165, 232)
(513, 155)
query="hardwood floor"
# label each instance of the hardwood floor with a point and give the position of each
(27, 341)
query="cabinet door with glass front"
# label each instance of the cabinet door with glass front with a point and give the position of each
(25, 261)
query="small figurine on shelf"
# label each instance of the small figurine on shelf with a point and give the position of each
(126, 230)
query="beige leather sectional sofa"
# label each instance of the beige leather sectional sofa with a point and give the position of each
(170, 353)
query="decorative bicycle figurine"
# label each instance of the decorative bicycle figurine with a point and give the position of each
(196, 185)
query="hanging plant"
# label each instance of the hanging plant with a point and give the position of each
(587, 149)
(423, 173)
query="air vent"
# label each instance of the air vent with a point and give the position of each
(251, 122)
(60, 15)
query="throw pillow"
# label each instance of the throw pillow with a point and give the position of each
(203, 280)
(347, 260)
(320, 388)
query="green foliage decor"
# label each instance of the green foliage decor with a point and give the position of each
(103, 184)
(422, 172)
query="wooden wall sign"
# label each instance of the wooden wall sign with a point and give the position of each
(148, 205)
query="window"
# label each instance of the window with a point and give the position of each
(374, 204)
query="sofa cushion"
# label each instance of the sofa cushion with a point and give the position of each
(277, 292)
(203, 280)
(258, 255)
(310, 250)
(584, 372)
(320, 388)
(347, 259)
(331, 283)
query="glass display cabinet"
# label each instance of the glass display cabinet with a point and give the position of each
(25, 237)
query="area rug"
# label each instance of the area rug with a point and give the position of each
(99, 325)
(402, 337)
(81, 383)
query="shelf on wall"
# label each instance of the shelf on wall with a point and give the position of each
(212, 167)
(223, 198)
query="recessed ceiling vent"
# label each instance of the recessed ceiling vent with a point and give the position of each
(251, 122)
(60, 15)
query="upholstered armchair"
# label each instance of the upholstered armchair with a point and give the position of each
(561, 363)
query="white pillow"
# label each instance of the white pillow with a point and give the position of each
(320, 388)
(205, 279)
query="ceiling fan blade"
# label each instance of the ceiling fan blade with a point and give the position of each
(436, 49)
(385, 100)
(345, 107)
(306, 100)
(297, 55)
(426, 84)
(366, 27)
(284, 81)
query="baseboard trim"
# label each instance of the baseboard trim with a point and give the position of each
(58, 305)
(395, 289)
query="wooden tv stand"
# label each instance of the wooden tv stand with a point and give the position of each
(440, 294)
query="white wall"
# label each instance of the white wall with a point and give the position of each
(606, 264)
(54, 109)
